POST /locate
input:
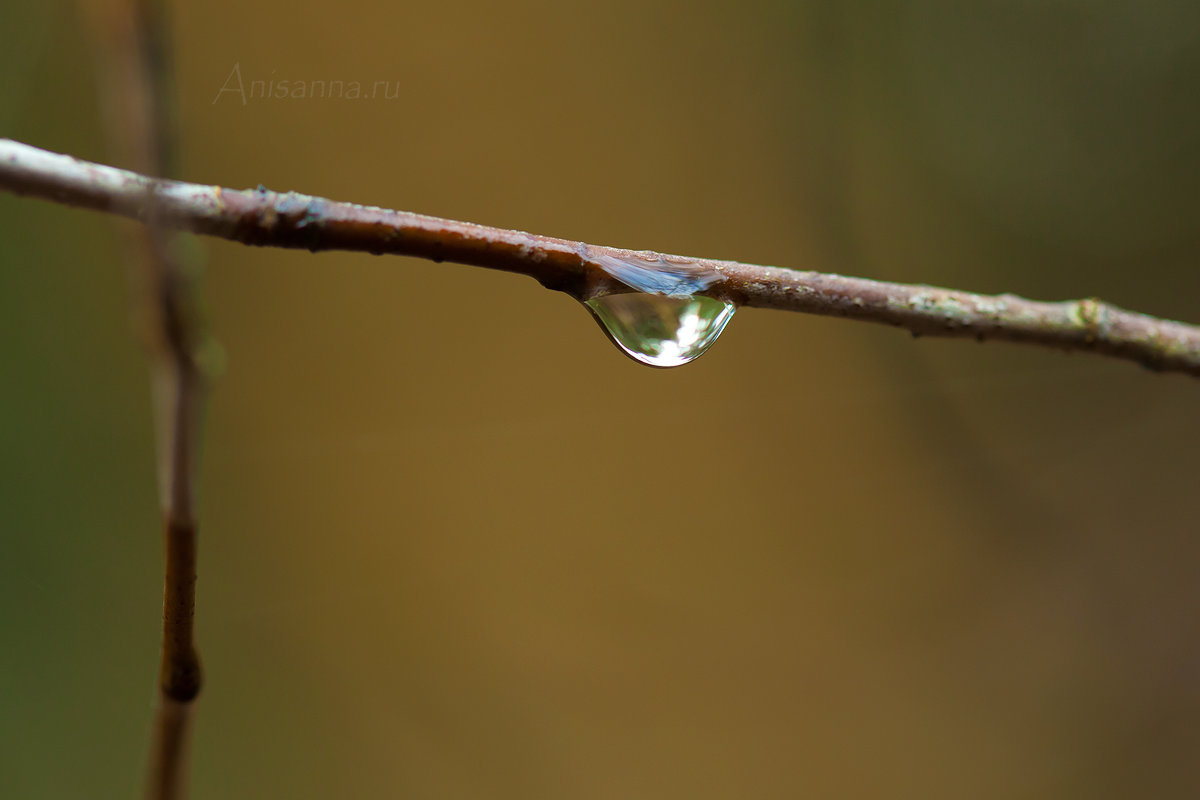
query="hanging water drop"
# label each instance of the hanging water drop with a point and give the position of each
(661, 330)
(664, 321)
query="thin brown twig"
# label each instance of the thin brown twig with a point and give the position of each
(180, 384)
(265, 218)
(135, 63)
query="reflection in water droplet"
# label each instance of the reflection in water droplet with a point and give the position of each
(677, 277)
(659, 330)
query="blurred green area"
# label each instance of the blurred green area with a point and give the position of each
(455, 545)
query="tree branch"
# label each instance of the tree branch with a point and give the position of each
(137, 78)
(265, 218)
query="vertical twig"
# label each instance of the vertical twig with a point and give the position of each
(140, 113)
(180, 387)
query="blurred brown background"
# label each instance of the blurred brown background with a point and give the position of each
(455, 546)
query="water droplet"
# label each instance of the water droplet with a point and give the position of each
(650, 272)
(660, 330)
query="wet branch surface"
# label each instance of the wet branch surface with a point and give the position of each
(265, 218)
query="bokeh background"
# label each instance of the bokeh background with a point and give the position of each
(455, 546)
